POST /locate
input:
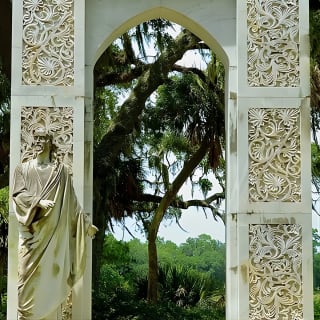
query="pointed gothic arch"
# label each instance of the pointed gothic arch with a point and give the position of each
(99, 35)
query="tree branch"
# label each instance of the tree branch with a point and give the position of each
(177, 203)
(112, 78)
(128, 116)
(196, 71)
(170, 194)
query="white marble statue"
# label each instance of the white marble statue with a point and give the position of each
(52, 233)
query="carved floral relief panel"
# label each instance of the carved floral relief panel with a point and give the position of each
(274, 154)
(275, 272)
(48, 42)
(273, 43)
(56, 121)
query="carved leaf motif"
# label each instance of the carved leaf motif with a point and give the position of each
(273, 43)
(48, 42)
(274, 155)
(275, 272)
(56, 121)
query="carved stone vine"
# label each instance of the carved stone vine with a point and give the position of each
(275, 272)
(56, 121)
(48, 42)
(274, 155)
(273, 43)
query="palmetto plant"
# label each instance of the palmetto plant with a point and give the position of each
(184, 286)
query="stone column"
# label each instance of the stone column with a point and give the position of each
(269, 219)
(48, 89)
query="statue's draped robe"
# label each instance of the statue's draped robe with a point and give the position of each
(51, 242)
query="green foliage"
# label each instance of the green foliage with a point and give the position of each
(3, 302)
(4, 211)
(316, 305)
(316, 258)
(314, 35)
(315, 160)
(4, 105)
(315, 169)
(115, 252)
(204, 255)
(106, 102)
(205, 185)
(138, 251)
(315, 240)
(4, 92)
(155, 30)
(112, 294)
(183, 285)
(316, 271)
(189, 108)
(4, 203)
(3, 297)
(142, 310)
(186, 292)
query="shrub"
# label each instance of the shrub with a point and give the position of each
(113, 296)
(316, 304)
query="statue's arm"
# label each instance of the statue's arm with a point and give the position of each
(26, 202)
(90, 229)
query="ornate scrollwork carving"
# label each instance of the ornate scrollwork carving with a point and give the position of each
(274, 155)
(275, 272)
(273, 43)
(48, 42)
(56, 121)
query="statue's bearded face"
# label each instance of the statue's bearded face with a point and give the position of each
(42, 143)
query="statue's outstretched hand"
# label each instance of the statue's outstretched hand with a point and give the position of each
(92, 230)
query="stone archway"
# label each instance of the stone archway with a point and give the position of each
(264, 46)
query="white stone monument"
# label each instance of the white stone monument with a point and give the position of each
(263, 45)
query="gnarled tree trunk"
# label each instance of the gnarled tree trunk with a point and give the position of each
(169, 196)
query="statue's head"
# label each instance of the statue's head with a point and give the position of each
(43, 141)
(41, 132)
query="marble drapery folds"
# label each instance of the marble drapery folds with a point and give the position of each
(51, 242)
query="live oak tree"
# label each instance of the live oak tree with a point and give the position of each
(186, 122)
